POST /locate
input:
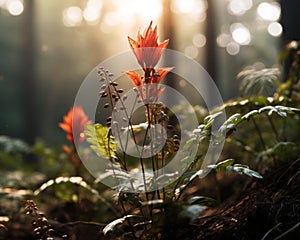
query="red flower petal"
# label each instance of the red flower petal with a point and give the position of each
(134, 77)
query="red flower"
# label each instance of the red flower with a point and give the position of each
(146, 48)
(155, 78)
(74, 123)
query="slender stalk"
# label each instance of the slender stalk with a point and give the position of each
(128, 221)
(149, 115)
(273, 128)
(162, 165)
(259, 133)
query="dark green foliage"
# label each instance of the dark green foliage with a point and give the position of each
(260, 134)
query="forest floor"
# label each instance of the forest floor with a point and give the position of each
(268, 209)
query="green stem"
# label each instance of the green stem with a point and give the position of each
(273, 128)
(259, 133)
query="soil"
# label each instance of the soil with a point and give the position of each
(268, 209)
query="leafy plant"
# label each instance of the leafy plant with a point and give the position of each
(260, 133)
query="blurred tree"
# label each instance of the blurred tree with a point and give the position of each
(210, 52)
(28, 77)
(290, 20)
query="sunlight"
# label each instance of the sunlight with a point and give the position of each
(97, 4)
(72, 16)
(240, 34)
(223, 39)
(111, 19)
(145, 9)
(191, 51)
(269, 11)
(185, 6)
(15, 7)
(239, 7)
(275, 29)
(150, 9)
(91, 15)
(199, 40)
(193, 7)
(2, 3)
(233, 48)
(92, 12)
(125, 14)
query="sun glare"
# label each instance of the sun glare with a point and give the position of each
(269, 11)
(233, 48)
(185, 6)
(72, 16)
(239, 7)
(15, 7)
(275, 29)
(240, 34)
(92, 12)
(91, 15)
(144, 9)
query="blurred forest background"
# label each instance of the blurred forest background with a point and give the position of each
(48, 47)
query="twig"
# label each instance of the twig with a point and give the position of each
(288, 231)
(80, 223)
(268, 232)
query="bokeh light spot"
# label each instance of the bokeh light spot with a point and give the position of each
(15, 7)
(191, 51)
(275, 29)
(240, 34)
(269, 11)
(233, 48)
(239, 7)
(184, 6)
(111, 19)
(91, 15)
(72, 16)
(199, 40)
(223, 39)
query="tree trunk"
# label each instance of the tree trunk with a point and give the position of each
(28, 76)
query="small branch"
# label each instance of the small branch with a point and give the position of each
(288, 231)
(268, 232)
(80, 223)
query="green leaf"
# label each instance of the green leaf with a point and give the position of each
(250, 114)
(284, 151)
(112, 225)
(259, 83)
(243, 169)
(206, 201)
(225, 163)
(234, 119)
(251, 173)
(230, 124)
(100, 140)
(199, 173)
(282, 111)
(209, 120)
(241, 165)
(191, 212)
